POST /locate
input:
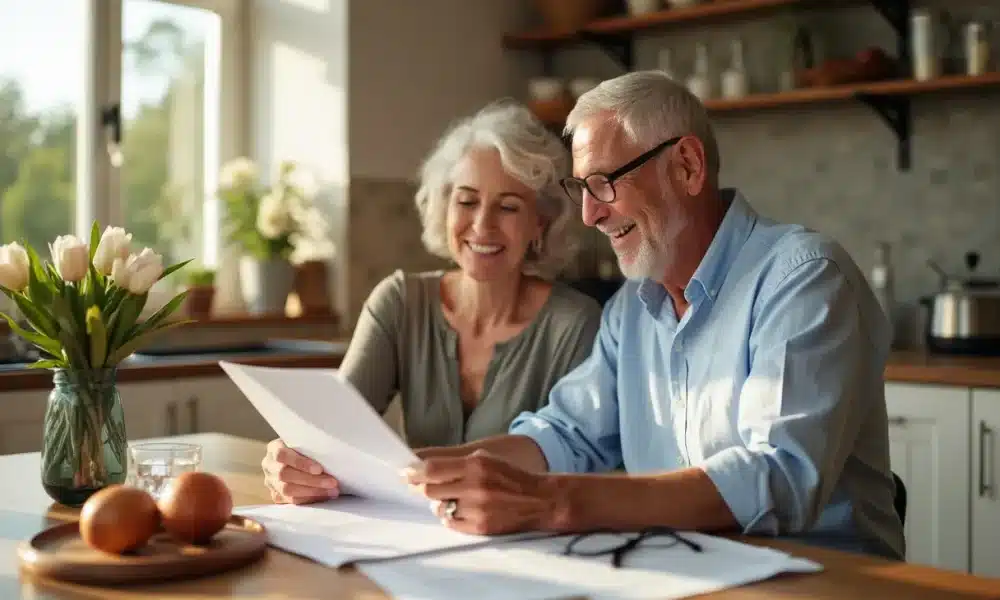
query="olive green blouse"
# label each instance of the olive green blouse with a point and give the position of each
(403, 344)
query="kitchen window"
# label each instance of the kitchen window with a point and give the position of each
(121, 111)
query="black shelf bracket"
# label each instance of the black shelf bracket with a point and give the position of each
(618, 47)
(895, 112)
(897, 13)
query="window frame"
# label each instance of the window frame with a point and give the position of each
(98, 184)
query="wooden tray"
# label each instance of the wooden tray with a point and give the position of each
(60, 553)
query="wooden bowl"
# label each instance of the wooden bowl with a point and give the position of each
(60, 553)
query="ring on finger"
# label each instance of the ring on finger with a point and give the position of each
(450, 508)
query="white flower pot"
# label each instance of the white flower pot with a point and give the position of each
(265, 284)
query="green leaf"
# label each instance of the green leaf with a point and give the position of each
(138, 341)
(173, 268)
(40, 288)
(98, 337)
(95, 240)
(124, 319)
(79, 313)
(38, 317)
(47, 364)
(45, 343)
(69, 334)
(57, 282)
(160, 315)
(72, 352)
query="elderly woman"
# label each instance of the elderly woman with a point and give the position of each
(470, 348)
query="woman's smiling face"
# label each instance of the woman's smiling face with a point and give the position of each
(492, 217)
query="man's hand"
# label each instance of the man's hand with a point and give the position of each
(492, 495)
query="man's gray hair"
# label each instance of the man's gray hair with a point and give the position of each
(529, 152)
(650, 107)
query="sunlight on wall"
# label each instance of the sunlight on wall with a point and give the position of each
(308, 114)
(321, 6)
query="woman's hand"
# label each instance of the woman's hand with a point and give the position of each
(492, 496)
(295, 479)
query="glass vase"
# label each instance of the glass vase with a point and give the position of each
(84, 446)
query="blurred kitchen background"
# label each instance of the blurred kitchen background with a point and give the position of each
(357, 91)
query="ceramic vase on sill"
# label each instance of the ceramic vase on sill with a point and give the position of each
(84, 444)
(265, 284)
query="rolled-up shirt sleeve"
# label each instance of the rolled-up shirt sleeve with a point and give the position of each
(800, 409)
(578, 430)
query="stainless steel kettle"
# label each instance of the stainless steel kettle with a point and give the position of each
(964, 316)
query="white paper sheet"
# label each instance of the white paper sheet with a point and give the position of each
(323, 417)
(338, 531)
(537, 570)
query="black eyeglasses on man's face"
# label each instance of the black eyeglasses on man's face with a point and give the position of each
(602, 185)
(601, 543)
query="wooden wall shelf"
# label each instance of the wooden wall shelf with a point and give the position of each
(887, 89)
(890, 100)
(627, 24)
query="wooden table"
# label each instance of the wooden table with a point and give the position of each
(25, 510)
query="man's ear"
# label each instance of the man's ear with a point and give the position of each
(693, 164)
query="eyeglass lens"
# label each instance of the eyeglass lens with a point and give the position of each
(598, 184)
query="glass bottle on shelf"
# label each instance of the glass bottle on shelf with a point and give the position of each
(699, 83)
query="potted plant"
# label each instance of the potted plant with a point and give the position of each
(265, 222)
(83, 312)
(200, 293)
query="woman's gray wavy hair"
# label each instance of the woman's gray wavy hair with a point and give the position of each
(529, 152)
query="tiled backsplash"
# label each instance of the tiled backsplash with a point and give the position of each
(384, 235)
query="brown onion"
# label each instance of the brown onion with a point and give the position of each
(118, 519)
(195, 507)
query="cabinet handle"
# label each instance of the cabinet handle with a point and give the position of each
(898, 421)
(193, 413)
(171, 419)
(985, 489)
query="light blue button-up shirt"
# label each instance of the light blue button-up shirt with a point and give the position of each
(771, 382)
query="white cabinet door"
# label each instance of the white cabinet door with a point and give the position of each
(149, 408)
(215, 404)
(986, 483)
(22, 418)
(929, 450)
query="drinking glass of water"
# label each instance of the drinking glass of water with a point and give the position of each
(156, 464)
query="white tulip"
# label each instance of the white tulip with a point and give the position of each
(114, 244)
(14, 265)
(273, 218)
(138, 272)
(71, 257)
(238, 173)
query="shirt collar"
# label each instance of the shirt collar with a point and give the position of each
(733, 232)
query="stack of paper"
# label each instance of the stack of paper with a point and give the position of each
(411, 555)
(537, 569)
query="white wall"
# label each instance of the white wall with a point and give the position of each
(299, 99)
(415, 66)
(363, 88)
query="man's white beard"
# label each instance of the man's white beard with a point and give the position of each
(653, 256)
(647, 262)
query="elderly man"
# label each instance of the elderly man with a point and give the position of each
(737, 375)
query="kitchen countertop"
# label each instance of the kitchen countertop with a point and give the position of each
(902, 366)
(964, 371)
(141, 367)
